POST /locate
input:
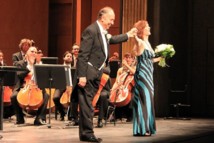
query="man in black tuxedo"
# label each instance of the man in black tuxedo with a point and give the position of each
(92, 57)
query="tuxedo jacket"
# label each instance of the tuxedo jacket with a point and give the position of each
(92, 50)
(21, 74)
(17, 57)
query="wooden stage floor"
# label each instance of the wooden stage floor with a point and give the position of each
(168, 131)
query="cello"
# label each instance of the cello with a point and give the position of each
(50, 92)
(122, 94)
(30, 97)
(66, 96)
(8, 108)
(6, 95)
(103, 82)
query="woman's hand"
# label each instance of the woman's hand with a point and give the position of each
(137, 41)
(157, 59)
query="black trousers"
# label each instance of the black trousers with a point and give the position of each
(56, 98)
(86, 112)
(103, 104)
(73, 112)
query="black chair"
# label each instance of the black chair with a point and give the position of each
(179, 106)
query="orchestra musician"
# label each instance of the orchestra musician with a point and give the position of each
(75, 52)
(115, 57)
(8, 109)
(103, 99)
(67, 57)
(2, 63)
(23, 46)
(74, 114)
(39, 57)
(128, 67)
(27, 63)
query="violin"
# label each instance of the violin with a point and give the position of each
(30, 97)
(66, 97)
(122, 94)
(103, 82)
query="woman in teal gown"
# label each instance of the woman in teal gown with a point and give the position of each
(143, 100)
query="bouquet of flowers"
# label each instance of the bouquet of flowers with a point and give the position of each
(165, 51)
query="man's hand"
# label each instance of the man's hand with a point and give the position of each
(132, 32)
(82, 81)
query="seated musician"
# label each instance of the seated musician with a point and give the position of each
(73, 116)
(115, 57)
(2, 63)
(39, 57)
(8, 109)
(23, 47)
(128, 66)
(27, 64)
(67, 57)
(103, 100)
(73, 112)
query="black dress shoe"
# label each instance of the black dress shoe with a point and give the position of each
(62, 118)
(19, 122)
(76, 123)
(39, 122)
(100, 124)
(129, 120)
(91, 139)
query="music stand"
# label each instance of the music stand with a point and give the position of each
(49, 60)
(8, 77)
(52, 76)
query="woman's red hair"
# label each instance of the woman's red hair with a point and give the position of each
(140, 25)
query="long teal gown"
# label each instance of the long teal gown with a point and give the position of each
(143, 100)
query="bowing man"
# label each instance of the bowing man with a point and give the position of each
(92, 57)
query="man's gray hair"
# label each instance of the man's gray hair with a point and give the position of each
(104, 11)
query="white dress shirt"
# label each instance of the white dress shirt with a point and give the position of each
(103, 33)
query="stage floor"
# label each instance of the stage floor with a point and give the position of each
(168, 131)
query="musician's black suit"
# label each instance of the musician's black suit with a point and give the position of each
(17, 57)
(91, 50)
